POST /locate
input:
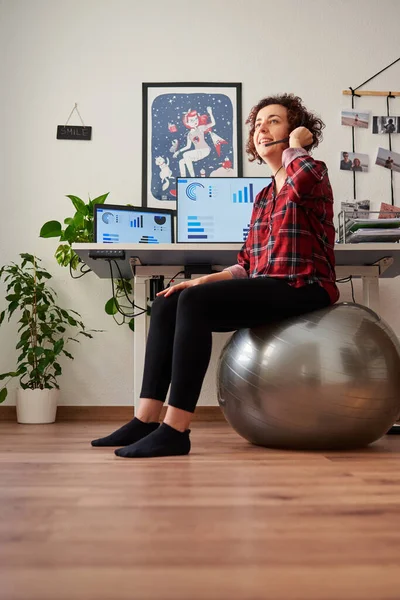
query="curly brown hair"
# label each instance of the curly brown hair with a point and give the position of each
(298, 116)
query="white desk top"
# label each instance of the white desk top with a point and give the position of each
(223, 255)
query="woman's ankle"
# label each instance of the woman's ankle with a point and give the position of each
(149, 410)
(177, 418)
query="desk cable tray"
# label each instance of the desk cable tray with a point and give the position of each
(358, 225)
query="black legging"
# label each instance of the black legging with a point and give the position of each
(179, 342)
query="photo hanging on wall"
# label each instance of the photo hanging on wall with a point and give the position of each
(189, 130)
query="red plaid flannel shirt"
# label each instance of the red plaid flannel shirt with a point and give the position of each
(291, 234)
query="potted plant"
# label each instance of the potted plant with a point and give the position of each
(45, 329)
(80, 228)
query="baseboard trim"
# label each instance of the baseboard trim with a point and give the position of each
(109, 413)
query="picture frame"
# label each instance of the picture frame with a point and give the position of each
(189, 129)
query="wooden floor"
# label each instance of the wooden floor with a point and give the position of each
(230, 521)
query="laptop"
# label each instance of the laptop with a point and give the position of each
(216, 209)
(115, 224)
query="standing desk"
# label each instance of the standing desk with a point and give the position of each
(142, 262)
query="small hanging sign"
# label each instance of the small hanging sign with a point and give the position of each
(74, 132)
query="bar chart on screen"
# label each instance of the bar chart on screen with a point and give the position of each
(245, 195)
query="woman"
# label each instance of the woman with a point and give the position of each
(356, 165)
(285, 268)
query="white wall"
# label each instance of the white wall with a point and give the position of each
(98, 53)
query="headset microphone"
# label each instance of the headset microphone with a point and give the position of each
(277, 142)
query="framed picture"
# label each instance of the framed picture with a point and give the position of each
(189, 130)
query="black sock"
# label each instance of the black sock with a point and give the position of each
(164, 441)
(127, 434)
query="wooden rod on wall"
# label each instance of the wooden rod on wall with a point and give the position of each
(361, 93)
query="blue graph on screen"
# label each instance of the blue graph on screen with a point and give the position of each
(245, 195)
(191, 190)
(137, 221)
(199, 228)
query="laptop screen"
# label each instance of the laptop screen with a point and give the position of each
(132, 225)
(216, 209)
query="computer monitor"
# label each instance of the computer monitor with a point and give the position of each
(132, 225)
(216, 209)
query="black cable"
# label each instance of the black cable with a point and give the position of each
(390, 95)
(172, 278)
(353, 141)
(81, 270)
(376, 74)
(125, 290)
(116, 300)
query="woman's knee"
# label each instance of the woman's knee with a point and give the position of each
(163, 306)
(193, 299)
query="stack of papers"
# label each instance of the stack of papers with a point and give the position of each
(374, 234)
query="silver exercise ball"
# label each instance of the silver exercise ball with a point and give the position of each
(329, 379)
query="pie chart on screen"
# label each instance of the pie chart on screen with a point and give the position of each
(160, 220)
(107, 217)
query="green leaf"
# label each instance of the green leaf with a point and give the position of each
(22, 344)
(10, 374)
(75, 260)
(78, 221)
(100, 199)
(57, 369)
(43, 274)
(70, 234)
(111, 307)
(131, 324)
(11, 308)
(68, 221)
(3, 312)
(64, 255)
(79, 204)
(3, 394)
(29, 258)
(50, 229)
(58, 346)
(68, 354)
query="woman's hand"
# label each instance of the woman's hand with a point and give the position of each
(221, 275)
(181, 286)
(300, 137)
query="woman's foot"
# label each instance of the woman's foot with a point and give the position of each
(164, 441)
(130, 433)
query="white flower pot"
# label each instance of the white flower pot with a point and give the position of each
(37, 406)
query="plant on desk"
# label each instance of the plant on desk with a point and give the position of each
(44, 331)
(80, 228)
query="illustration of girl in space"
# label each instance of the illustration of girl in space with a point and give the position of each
(198, 126)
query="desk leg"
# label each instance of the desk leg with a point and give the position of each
(371, 293)
(140, 338)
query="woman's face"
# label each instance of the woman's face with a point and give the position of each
(271, 125)
(193, 121)
(356, 162)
